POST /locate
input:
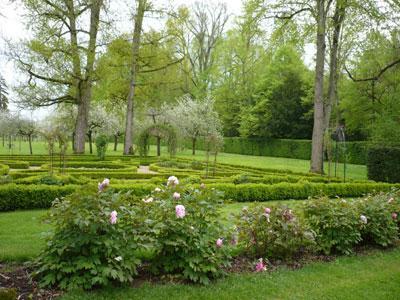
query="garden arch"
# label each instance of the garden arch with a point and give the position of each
(161, 131)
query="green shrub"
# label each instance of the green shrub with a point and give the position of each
(273, 232)
(89, 246)
(4, 169)
(16, 164)
(241, 178)
(101, 146)
(187, 242)
(13, 196)
(383, 164)
(197, 165)
(380, 228)
(336, 223)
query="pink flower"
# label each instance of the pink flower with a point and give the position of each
(203, 186)
(394, 216)
(267, 210)
(113, 217)
(363, 219)
(176, 196)
(260, 266)
(219, 242)
(180, 211)
(172, 181)
(234, 240)
(104, 184)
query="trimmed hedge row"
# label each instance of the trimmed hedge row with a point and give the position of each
(14, 196)
(383, 164)
(4, 169)
(285, 191)
(301, 149)
(16, 164)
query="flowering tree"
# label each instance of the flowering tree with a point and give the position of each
(195, 118)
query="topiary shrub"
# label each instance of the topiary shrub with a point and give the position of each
(273, 232)
(101, 146)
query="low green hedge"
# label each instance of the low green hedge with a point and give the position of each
(300, 149)
(285, 191)
(16, 164)
(14, 196)
(383, 164)
(4, 169)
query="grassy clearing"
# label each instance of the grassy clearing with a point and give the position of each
(346, 278)
(296, 165)
(21, 235)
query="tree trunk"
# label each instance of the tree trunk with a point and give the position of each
(115, 142)
(317, 151)
(81, 126)
(30, 144)
(89, 134)
(333, 63)
(73, 141)
(193, 146)
(134, 69)
(158, 146)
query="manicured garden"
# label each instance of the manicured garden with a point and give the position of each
(154, 234)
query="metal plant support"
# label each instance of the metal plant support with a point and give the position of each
(340, 149)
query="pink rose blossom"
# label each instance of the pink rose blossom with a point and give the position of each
(103, 185)
(267, 210)
(176, 196)
(219, 242)
(180, 211)
(394, 216)
(260, 266)
(172, 181)
(113, 217)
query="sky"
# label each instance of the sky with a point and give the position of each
(12, 28)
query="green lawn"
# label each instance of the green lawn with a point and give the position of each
(374, 276)
(296, 165)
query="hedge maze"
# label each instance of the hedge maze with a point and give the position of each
(28, 182)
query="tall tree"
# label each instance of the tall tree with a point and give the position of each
(59, 60)
(141, 8)
(3, 94)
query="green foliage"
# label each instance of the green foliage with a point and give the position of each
(273, 232)
(4, 169)
(381, 229)
(88, 248)
(13, 164)
(383, 164)
(187, 246)
(101, 146)
(13, 196)
(336, 223)
(5, 293)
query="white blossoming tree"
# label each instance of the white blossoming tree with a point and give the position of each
(195, 118)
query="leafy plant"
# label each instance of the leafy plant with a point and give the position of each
(188, 228)
(96, 238)
(336, 223)
(273, 232)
